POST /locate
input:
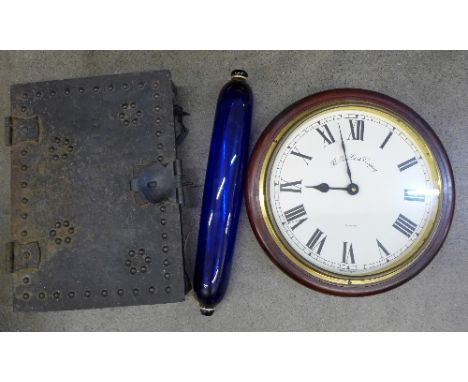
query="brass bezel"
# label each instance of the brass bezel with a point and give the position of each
(414, 250)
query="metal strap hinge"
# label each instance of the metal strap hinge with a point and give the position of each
(21, 129)
(22, 256)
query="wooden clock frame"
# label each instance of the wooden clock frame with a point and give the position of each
(254, 195)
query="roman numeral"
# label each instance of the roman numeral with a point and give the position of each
(348, 253)
(411, 196)
(326, 134)
(386, 139)
(357, 130)
(407, 164)
(306, 158)
(299, 222)
(405, 225)
(295, 213)
(291, 186)
(316, 241)
(382, 249)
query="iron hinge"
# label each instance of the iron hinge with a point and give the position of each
(22, 256)
(21, 129)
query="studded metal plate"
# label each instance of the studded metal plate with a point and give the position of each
(81, 237)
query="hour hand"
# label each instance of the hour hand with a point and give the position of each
(324, 187)
(351, 189)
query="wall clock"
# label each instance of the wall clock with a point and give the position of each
(350, 192)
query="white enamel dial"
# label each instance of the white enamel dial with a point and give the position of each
(354, 222)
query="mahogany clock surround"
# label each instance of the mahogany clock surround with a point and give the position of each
(329, 98)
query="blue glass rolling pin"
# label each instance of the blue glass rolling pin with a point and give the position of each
(222, 195)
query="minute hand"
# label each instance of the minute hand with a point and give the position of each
(346, 157)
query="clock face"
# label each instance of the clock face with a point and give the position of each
(350, 192)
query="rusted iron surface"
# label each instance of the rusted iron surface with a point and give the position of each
(75, 145)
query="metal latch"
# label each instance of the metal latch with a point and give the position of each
(157, 183)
